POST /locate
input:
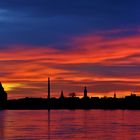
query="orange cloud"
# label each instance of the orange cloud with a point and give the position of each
(90, 58)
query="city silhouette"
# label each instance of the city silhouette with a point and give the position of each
(72, 102)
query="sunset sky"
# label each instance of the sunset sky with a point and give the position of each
(93, 43)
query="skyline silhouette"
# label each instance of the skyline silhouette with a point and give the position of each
(72, 102)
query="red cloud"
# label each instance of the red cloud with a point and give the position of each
(29, 64)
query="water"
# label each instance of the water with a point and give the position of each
(69, 125)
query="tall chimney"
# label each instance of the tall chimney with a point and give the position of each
(48, 87)
(85, 92)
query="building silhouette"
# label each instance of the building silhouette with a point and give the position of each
(3, 96)
(85, 92)
(114, 95)
(62, 95)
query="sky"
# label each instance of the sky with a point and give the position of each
(93, 43)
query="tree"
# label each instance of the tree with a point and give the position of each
(73, 94)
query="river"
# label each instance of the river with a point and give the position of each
(69, 125)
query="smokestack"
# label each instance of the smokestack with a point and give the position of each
(48, 87)
(85, 92)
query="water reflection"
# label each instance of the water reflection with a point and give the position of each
(2, 125)
(49, 124)
(70, 125)
(85, 124)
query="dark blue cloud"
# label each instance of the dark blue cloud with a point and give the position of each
(49, 21)
(93, 69)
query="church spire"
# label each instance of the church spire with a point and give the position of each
(62, 95)
(85, 92)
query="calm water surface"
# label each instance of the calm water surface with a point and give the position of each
(69, 125)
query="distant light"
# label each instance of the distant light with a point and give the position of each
(10, 86)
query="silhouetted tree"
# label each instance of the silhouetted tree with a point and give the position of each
(73, 94)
